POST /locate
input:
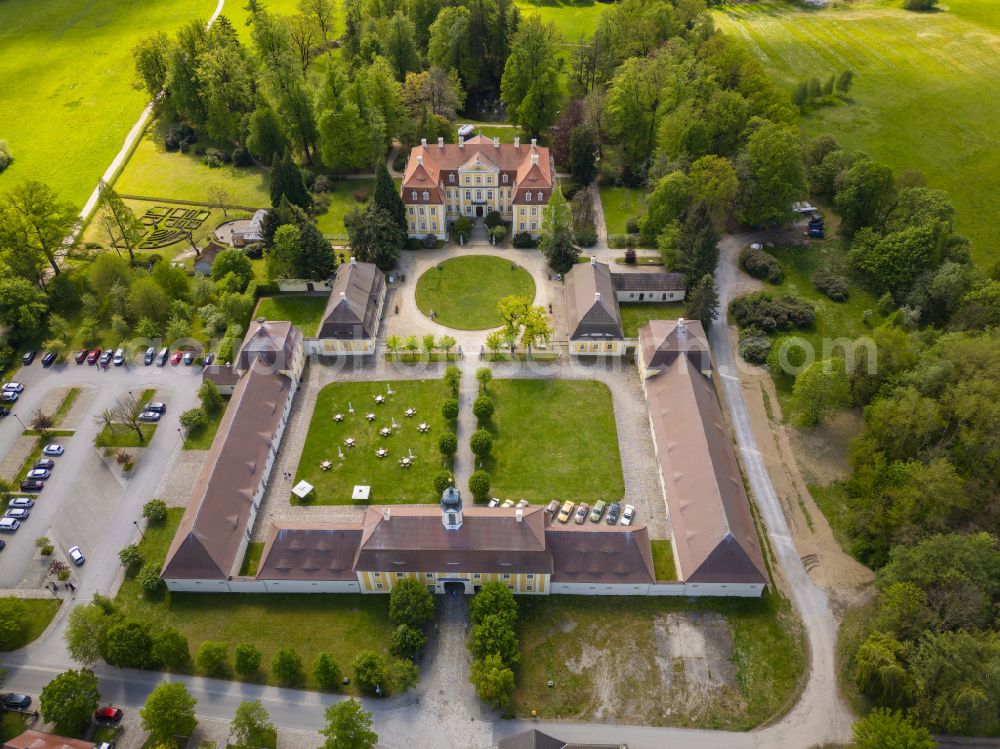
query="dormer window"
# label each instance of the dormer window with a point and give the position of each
(540, 198)
(451, 178)
(427, 195)
(505, 179)
(413, 195)
(527, 196)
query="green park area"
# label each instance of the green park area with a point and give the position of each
(34, 615)
(554, 439)
(646, 662)
(573, 19)
(69, 100)
(299, 309)
(344, 195)
(663, 560)
(919, 99)
(463, 292)
(349, 466)
(341, 625)
(634, 316)
(621, 204)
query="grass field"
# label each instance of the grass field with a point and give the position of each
(634, 316)
(663, 559)
(620, 204)
(340, 624)
(463, 292)
(389, 481)
(201, 439)
(69, 99)
(604, 655)
(923, 93)
(38, 614)
(304, 311)
(341, 201)
(554, 439)
(94, 232)
(11, 725)
(572, 19)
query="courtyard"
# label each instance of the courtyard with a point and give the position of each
(357, 464)
(463, 292)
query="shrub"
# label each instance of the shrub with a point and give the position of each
(149, 578)
(247, 660)
(212, 659)
(129, 644)
(155, 511)
(130, 556)
(522, 240)
(323, 184)
(287, 667)
(754, 345)
(760, 264)
(483, 408)
(442, 481)
(585, 234)
(452, 377)
(481, 443)
(401, 675)
(326, 672)
(406, 641)
(45, 546)
(919, 4)
(493, 218)
(369, 671)
(254, 250)
(630, 256)
(194, 419)
(242, 157)
(213, 158)
(5, 158)
(448, 444)
(479, 485)
(830, 284)
(430, 242)
(361, 196)
(171, 649)
(461, 228)
(770, 313)
(449, 409)
(632, 225)
(498, 233)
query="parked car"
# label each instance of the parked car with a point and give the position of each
(105, 359)
(8, 397)
(93, 355)
(161, 357)
(507, 503)
(76, 555)
(188, 358)
(14, 701)
(522, 503)
(176, 358)
(566, 511)
(39, 474)
(13, 387)
(22, 502)
(581, 513)
(81, 356)
(209, 358)
(495, 502)
(628, 514)
(553, 507)
(21, 513)
(151, 416)
(32, 485)
(3, 544)
(44, 463)
(466, 130)
(613, 511)
(119, 358)
(4, 411)
(53, 450)
(49, 359)
(9, 524)
(29, 356)
(160, 408)
(108, 716)
(149, 356)
(816, 233)
(598, 511)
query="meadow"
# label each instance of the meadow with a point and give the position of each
(74, 99)
(572, 18)
(924, 89)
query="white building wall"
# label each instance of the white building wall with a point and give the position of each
(600, 589)
(304, 586)
(652, 297)
(303, 285)
(726, 590)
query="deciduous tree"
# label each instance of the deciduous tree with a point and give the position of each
(168, 713)
(348, 726)
(70, 699)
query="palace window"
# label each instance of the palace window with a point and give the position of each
(411, 210)
(477, 576)
(531, 576)
(468, 194)
(434, 227)
(421, 210)
(451, 178)
(423, 226)
(522, 213)
(479, 194)
(489, 195)
(534, 226)
(505, 179)
(527, 197)
(540, 196)
(429, 574)
(400, 574)
(426, 195)
(529, 588)
(479, 180)
(522, 226)
(534, 211)
(378, 586)
(506, 576)
(413, 195)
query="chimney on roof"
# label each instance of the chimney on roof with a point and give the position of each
(593, 259)
(461, 141)
(597, 296)
(420, 159)
(261, 320)
(423, 142)
(534, 142)
(386, 514)
(440, 142)
(680, 325)
(517, 141)
(343, 295)
(496, 143)
(519, 515)
(534, 158)
(354, 260)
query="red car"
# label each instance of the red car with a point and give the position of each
(176, 358)
(92, 356)
(81, 356)
(108, 716)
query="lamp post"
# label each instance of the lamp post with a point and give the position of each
(19, 420)
(136, 524)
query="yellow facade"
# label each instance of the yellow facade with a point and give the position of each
(597, 348)
(520, 583)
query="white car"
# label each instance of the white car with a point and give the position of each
(13, 387)
(39, 473)
(53, 450)
(149, 416)
(21, 513)
(22, 502)
(523, 503)
(9, 524)
(76, 555)
(466, 130)
(628, 514)
(495, 502)
(507, 503)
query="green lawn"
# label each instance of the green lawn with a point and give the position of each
(122, 435)
(65, 405)
(38, 614)
(832, 502)
(560, 634)
(572, 19)
(463, 292)
(663, 559)
(11, 725)
(634, 316)
(620, 204)
(69, 100)
(388, 480)
(153, 172)
(341, 201)
(201, 439)
(251, 560)
(505, 134)
(554, 439)
(338, 624)
(301, 310)
(920, 94)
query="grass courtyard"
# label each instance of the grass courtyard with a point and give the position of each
(620, 204)
(69, 99)
(463, 292)
(572, 18)
(389, 482)
(554, 439)
(341, 625)
(919, 99)
(299, 309)
(643, 660)
(634, 316)
(38, 614)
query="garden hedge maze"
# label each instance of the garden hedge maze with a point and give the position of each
(169, 225)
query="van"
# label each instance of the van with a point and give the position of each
(161, 359)
(119, 357)
(566, 511)
(150, 355)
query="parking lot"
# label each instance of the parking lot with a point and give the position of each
(89, 502)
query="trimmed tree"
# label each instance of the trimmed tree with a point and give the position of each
(326, 672)
(349, 726)
(493, 680)
(481, 443)
(369, 671)
(171, 649)
(449, 409)
(410, 603)
(448, 444)
(70, 699)
(252, 725)
(406, 641)
(212, 659)
(479, 485)
(484, 375)
(168, 713)
(287, 667)
(483, 408)
(248, 659)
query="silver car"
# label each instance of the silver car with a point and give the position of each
(39, 473)
(9, 524)
(628, 514)
(22, 502)
(21, 513)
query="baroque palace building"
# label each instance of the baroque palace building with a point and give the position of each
(474, 177)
